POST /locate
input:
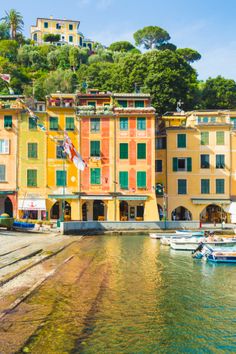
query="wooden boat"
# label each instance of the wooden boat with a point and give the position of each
(192, 243)
(215, 256)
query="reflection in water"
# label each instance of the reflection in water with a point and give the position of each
(139, 297)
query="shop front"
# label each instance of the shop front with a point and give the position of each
(132, 208)
(32, 208)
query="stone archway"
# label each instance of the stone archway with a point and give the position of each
(213, 213)
(8, 207)
(124, 211)
(85, 212)
(181, 213)
(98, 210)
(55, 211)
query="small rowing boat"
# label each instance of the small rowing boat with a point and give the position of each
(215, 256)
(192, 243)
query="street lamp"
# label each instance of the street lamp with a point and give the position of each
(160, 190)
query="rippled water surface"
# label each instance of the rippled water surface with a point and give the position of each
(136, 296)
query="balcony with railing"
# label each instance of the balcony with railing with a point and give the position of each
(94, 110)
(61, 102)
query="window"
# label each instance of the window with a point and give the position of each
(70, 123)
(95, 125)
(161, 143)
(181, 140)
(204, 138)
(141, 123)
(32, 124)
(141, 151)
(70, 27)
(182, 164)
(182, 186)
(124, 180)
(220, 161)
(2, 173)
(220, 186)
(95, 176)
(4, 146)
(213, 119)
(205, 186)
(141, 179)
(53, 123)
(205, 119)
(80, 41)
(95, 148)
(123, 103)
(233, 121)
(45, 24)
(92, 103)
(7, 122)
(31, 178)
(124, 151)
(60, 150)
(158, 165)
(220, 138)
(61, 178)
(205, 161)
(32, 150)
(139, 104)
(58, 26)
(123, 123)
(71, 39)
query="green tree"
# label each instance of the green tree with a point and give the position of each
(14, 21)
(51, 38)
(74, 58)
(190, 55)
(122, 46)
(8, 49)
(219, 93)
(4, 31)
(151, 37)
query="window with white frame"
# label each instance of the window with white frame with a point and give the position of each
(4, 146)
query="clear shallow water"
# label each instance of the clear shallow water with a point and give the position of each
(140, 297)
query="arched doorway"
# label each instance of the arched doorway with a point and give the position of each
(98, 210)
(124, 211)
(84, 212)
(213, 214)
(160, 211)
(55, 211)
(181, 213)
(67, 211)
(8, 207)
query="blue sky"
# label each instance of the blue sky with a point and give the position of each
(208, 26)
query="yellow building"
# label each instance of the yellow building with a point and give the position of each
(195, 149)
(32, 172)
(68, 31)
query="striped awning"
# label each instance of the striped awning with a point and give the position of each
(207, 201)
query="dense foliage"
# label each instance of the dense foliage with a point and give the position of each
(163, 69)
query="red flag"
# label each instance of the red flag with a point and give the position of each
(73, 154)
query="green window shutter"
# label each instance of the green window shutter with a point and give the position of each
(141, 151)
(233, 122)
(70, 27)
(205, 161)
(181, 140)
(95, 176)
(70, 123)
(141, 179)
(123, 123)
(139, 104)
(123, 104)
(32, 150)
(189, 164)
(204, 138)
(61, 177)
(95, 125)
(45, 24)
(124, 151)
(220, 161)
(32, 124)
(205, 186)
(182, 186)
(220, 186)
(95, 148)
(53, 123)
(2, 173)
(220, 138)
(175, 164)
(141, 123)
(158, 166)
(123, 178)
(7, 121)
(60, 153)
(31, 178)
(92, 104)
(71, 39)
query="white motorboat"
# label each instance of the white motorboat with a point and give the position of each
(161, 235)
(192, 243)
(189, 233)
